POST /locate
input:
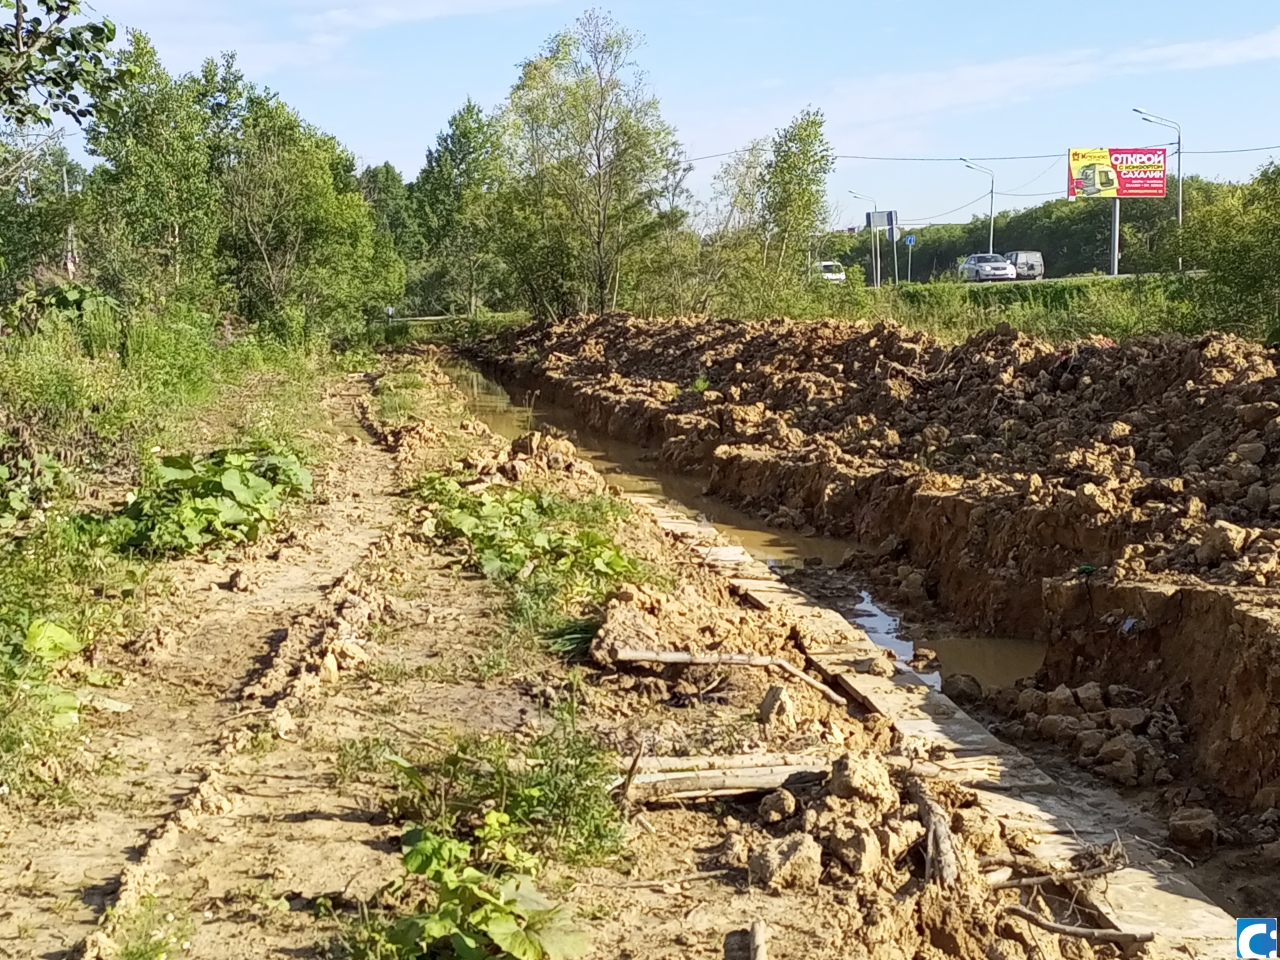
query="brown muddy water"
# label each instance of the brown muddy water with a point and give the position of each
(994, 660)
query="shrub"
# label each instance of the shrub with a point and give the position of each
(228, 496)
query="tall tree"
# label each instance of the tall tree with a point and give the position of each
(588, 128)
(794, 189)
(38, 202)
(50, 65)
(454, 204)
(155, 199)
(300, 235)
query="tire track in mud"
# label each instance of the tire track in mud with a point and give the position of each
(190, 673)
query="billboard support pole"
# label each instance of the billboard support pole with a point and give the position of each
(1115, 237)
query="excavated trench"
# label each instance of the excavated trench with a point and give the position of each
(996, 661)
(1089, 805)
(1120, 502)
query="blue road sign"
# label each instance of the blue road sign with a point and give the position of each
(911, 240)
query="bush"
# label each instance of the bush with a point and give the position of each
(228, 496)
(550, 553)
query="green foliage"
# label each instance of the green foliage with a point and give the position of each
(152, 932)
(52, 64)
(1238, 240)
(552, 554)
(154, 203)
(554, 798)
(453, 208)
(228, 496)
(473, 914)
(306, 263)
(1056, 309)
(26, 484)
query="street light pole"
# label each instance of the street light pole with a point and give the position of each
(991, 238)
(1173, 125)
(875, 238)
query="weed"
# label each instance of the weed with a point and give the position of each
(153, 932)
(551, 554)
(472, 913)
(228, 496)
(700, 385)
(362, 759)
(399, 397)
(555, 796)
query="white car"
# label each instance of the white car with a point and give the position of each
(987, 266)
(832, 271)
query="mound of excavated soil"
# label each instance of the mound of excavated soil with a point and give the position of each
(1123, 500)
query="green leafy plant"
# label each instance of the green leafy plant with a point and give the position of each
(25, 484)
(552, 554)
(228, 496)
(476, 914)
(553, 799)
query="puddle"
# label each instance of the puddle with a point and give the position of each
(994, 661)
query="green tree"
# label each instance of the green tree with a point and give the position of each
(46, 63)
(37, 206)
(300, 236)
(793, 200)
(588, 135)
(155, 201)
(1238, 241)
(454, 201)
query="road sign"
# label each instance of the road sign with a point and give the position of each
(910, 240)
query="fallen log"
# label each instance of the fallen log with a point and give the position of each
(941, 862)
(1058, 878)
(726, 660)
(735, 761)
(699, 784)
(1092, 934)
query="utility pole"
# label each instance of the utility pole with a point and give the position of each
(875, 238)
(1162, 122)
(991, 234)
(1115, 237)
(894, 230)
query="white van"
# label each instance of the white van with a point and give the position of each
(832, 271)
(1028, 263)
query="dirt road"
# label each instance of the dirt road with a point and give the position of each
(244, 804)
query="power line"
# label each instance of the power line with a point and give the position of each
(1241, 150)
(978, 199)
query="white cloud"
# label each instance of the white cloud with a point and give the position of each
(994, 85)
(271, 37)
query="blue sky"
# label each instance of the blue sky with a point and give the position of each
(894, 78)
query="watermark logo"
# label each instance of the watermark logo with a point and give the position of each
(1256, 937)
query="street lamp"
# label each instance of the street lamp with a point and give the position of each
(875, 237)
(991, 240)
(1162, 122)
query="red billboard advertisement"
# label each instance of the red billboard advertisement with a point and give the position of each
(1123, 172)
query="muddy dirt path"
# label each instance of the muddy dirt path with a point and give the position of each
(242, 809)
(224, 796)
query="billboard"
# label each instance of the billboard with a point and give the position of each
(1138, 172)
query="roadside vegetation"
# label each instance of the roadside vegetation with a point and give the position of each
(554, 557)
(166, 320)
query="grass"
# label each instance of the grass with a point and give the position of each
(73, 413)
(400, 397)
(553, 556)
(555, 793)
(153, 932)
(362, 759)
